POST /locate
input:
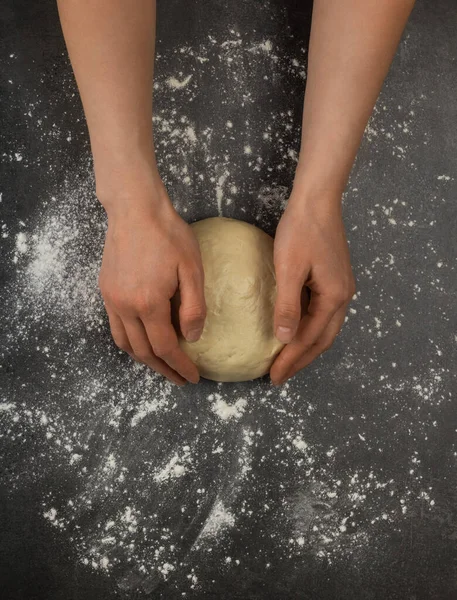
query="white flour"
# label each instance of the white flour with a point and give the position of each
(227, 411)
(176, 466)
(219, 519)
(178, 85)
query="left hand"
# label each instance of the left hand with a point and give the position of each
(310, 251)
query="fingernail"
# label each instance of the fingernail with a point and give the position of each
(193, 335)
(284, 334)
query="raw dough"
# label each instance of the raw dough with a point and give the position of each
(237, 343)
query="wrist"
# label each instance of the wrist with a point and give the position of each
(120, 163)
(319, 177)
(133, 190)
(316, 195)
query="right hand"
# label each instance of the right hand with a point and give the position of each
(150, 253)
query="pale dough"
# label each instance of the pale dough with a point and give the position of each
(237, 343)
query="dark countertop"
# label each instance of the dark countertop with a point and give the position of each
(340, 485)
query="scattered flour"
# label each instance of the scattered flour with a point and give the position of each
(219, 519)
(227, 411)
(175, 84)
(176, 467)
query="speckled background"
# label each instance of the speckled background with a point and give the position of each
(341, 484)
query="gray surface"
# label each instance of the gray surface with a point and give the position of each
(342, 485)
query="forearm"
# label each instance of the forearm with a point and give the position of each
(111, 47)
(351, 47)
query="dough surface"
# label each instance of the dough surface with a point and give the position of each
(237, 343)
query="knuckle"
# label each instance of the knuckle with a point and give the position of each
(144, 357)
(121, 343)
(120, 303)
(324, 346)
(143, 304)
(342, 292)
(124, 301)
(115, 298)
(109, 295)
(193, 314)
(288, 312)
(337, 295)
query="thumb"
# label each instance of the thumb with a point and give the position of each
(288, 303)
(192, 312)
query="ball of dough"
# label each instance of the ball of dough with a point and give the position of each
(237, 343)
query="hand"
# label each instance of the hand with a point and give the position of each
(310, 250)
(149, 253)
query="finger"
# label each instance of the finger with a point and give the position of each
(321, 346)
(118, 332)
(192, 311)
(287, 315)
(313, 324)
(142, 351)
(164, 342)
